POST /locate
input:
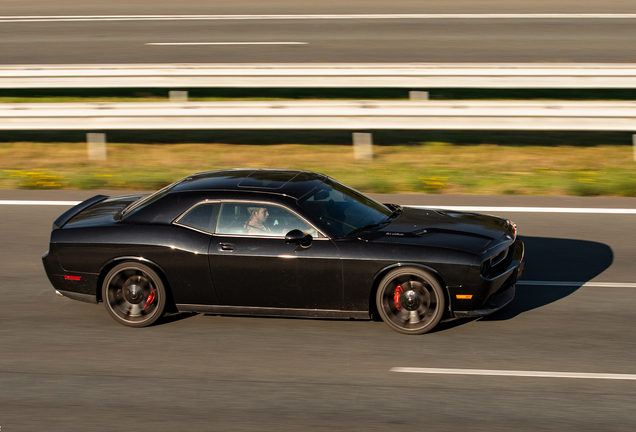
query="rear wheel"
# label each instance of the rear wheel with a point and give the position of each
(410, 301)
(134, 294)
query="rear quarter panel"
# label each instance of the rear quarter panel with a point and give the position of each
(179, 253)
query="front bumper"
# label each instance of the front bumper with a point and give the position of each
(489, 295)
(496, 302)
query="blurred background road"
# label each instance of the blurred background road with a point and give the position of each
(473, 39)
(158, 7)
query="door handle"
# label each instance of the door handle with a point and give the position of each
(225, 247)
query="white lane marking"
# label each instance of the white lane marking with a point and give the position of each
(533, 374)
(578, 284)
(67, 18)
(224, 43)
(44, 203)
(531, 209)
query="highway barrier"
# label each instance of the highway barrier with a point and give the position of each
(325, 115)
(400, 75)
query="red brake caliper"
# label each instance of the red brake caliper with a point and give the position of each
(396, 297)
(150, 299)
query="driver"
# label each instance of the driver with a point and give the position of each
(256, 222)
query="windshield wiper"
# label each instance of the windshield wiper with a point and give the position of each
(368, 227)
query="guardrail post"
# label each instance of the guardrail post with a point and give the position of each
(634, 143)
(418, 95)
(178, 96)
(96, 146)
(362, 146)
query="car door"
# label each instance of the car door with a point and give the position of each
(259, 268)
(189, 266)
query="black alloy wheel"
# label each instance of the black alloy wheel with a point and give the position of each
(410, 301)
(134, 294)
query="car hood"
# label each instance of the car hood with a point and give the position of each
(458, 230)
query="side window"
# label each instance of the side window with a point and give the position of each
(232, 219)
(200, 217)
(258, 219)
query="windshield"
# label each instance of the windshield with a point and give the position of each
(343, 209)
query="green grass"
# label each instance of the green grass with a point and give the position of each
(435, 167)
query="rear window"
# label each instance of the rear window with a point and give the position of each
(150, 198)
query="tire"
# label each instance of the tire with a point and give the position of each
(410, 301)
(134, 294)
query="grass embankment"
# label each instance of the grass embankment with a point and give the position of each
(424, 168)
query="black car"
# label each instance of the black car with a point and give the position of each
(281, 243)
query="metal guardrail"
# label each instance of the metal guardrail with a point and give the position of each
(307, 115)
(401, 75)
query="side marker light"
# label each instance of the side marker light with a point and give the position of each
(75, 278)
(464, 296)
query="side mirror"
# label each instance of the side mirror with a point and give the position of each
(297, 236)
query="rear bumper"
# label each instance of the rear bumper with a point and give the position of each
(74, 285)
(87, 298)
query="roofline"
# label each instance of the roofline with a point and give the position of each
(284, 190)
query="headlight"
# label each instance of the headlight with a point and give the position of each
(514, 230)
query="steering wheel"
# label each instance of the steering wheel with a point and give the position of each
(328, 207)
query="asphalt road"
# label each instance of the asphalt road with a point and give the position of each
(158, 7)
(66, 365)
(318, 41)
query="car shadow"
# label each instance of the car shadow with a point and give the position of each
(554, 260)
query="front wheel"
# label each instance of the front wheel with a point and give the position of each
(410, 301)
(134, 294)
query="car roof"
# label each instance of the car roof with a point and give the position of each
(294, 183)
